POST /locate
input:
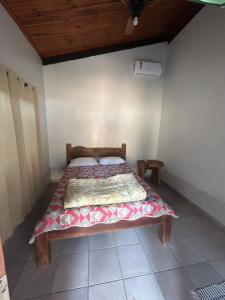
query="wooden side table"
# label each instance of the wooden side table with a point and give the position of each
(154, 165)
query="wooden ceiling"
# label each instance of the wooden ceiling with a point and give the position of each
(66, 29)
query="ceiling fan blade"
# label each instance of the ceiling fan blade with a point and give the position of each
(129, 27)
(220, 3)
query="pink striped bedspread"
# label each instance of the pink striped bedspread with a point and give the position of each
(58, 218)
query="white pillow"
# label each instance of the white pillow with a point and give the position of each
(83, 162)
(111, 160)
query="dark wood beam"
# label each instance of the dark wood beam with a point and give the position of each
(103, 50)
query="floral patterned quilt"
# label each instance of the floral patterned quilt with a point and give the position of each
(120, 188)
(58, 218)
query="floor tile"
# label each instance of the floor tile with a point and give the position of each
(75, 245)
(17, 247)
(126, 237)
(14, 268)
(147, 234)
(202, 274)
(103, 266)
(133, 261)
(175, 284)
(194, 238)
(78, 294)
(185, 252)
(185, 210)
(196, 224)
(143, 288)
(176, 229)
(101, 241)
(210, 245)
(207, 223)
(34, 281)
(40, 298)
(219, 266)
(71, 272)
(169, 195)
(160, 256)
(107, 291)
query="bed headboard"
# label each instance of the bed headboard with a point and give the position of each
(78, 151)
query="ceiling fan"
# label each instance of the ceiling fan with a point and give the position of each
(220, 3)
(136, 7)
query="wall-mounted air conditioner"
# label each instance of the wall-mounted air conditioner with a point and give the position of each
(147, 69)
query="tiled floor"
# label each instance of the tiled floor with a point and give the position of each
(126, 265)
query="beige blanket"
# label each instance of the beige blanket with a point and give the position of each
(92, 191)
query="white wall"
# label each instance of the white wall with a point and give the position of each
(18, 55)
(96, 101)
(193, 115)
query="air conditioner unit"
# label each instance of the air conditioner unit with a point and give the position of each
(147, 69)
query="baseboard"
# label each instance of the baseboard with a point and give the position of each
(209, 205)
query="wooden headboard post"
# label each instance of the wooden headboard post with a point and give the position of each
(68, 153)
(123, 149)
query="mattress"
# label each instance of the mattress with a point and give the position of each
(58, 218)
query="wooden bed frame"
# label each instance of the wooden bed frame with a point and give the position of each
(43, 250)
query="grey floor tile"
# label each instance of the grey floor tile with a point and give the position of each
(185, 252)
(173, 198)
(219, 266)
(186, 210)
(55, 247)
(176, 229)
(160, 256)
(210, 245)
(101, 241)
(126, 237)
(107, 291)
(55, 250)
(40, 298)
(14, 268)
(103, 266)
(77, 294)
(169, 195)
(147, 234)
(133, 261)
(206, 222)
(71, 272)
(17, 248)
(34, 281)
(143, 288)
(196, 224)
(175, 284)
(75, 245)
(202, 274)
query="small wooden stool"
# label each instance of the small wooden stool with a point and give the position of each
(154, 165)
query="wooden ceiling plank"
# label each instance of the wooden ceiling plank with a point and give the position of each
(41, 15)
(60, 27)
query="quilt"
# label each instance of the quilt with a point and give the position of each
(120, 188)
(58, 218)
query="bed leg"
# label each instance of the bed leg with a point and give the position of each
(43, 252)
(165, 229)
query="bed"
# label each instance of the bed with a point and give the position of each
(59, 223)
